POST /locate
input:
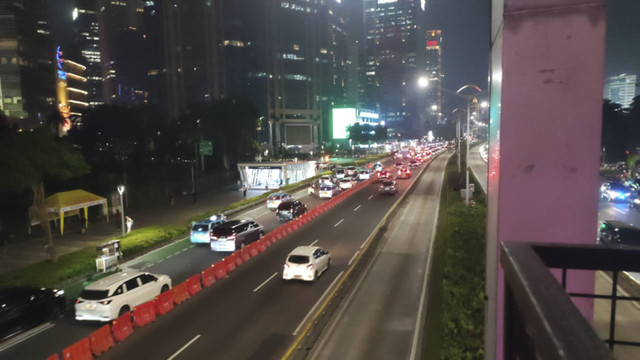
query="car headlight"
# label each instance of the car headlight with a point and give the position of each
(58, 293)
(636, 201)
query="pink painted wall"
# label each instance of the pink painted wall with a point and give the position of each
(545, 140)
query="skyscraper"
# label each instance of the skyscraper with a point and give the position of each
(87, 39)
(620, 89)
(393, 61)
(434, 74)
(27, 83)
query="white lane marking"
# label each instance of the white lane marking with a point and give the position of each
(266, 281)
(264, 213)
(353, 258)
(356, 209)
(27, 335)
(184, 347)
(370, 197)
(339, 222)
(620, 211)
(313, 309)
(423, 297)
(313, 243)
(364, 243)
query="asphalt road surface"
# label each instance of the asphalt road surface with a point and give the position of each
(252, 313)
(383, 316)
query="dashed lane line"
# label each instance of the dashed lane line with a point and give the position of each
(339, 222)
(265, 282)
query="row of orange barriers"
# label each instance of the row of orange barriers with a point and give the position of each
(121, 328)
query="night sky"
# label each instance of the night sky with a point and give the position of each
(466, 29)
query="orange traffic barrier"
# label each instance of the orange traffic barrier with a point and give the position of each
(253, 249)
(180, 293)
(295, 225)
(261, 246)
(229, 265)
(208, 276)
(237, 258)
(54, 357)
(164, 302)
(267, 240)
(101, 340)
(245, 254)
(219, 270)
(122, 327)
(193, 284)
(144, 314)
(78, 351)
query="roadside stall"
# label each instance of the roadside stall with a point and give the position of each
(70, 203)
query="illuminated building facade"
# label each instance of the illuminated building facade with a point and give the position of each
(433, 71)
(27, 85)
(87, 39)
(620, 89)
(392, 62)
(70, 94)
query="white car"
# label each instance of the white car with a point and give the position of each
(351, 171)
(117, 294)
(346, 183)
(325, 180)
(306, 263)
(328, 191)
(274, 200)
(377, 167)
(364, 174)
(339, 173)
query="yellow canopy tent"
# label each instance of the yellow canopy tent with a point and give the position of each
(70, 202)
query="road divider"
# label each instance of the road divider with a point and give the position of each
(122, 328)
(144, 314)
(164, 302)
(78, 351)
(101, 340)
(220, 270)
(194, 285)
(180, 293)
(208, 276)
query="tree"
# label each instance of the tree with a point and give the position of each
(615, 132)
(28, 159)
(380, 134)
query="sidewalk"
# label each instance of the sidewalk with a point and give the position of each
(23, 251)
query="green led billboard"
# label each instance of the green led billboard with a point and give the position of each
(342, 119)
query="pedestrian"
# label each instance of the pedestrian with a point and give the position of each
(129, 222)
(118, 219)
(244, 191)
(83, 223)
(311, 189)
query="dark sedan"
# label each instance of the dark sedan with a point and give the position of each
(22, 308)
(613, 232)
(388, 188)
(290, 210)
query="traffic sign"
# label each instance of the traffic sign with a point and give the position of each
(206, 147)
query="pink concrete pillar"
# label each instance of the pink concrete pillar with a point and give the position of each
(547, 64)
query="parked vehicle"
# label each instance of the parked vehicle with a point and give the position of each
(235, 234)
(116, 294)
(306, 263)
(23, 308)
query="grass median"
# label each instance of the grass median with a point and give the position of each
(455, 314)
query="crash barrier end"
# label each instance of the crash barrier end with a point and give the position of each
(122, 327)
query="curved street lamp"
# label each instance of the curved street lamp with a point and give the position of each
(121, 191)
(469, 97)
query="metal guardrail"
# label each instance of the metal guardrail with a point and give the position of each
(541, 321)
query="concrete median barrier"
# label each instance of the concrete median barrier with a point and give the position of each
(101, 340)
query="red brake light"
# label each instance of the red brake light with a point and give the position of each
(309, 266)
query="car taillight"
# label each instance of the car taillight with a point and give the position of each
(232, 237)
(399, 172)
(309, 266)
(79, 301)
(214, 237)
(408, 171)
(106, 302)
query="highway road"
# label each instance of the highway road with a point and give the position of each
(252, 312)
(383, 317)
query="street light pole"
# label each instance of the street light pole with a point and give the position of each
(468, 133)
(122, 224)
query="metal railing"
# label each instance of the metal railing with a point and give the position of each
(540, 320)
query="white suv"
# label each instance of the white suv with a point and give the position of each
(114, 295)
(306, 263)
